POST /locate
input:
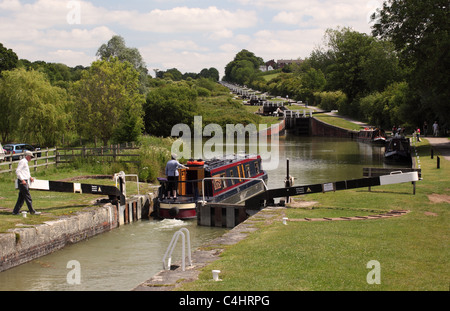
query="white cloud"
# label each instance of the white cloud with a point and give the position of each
(184, 19)
(172, 33)
(180, 45)
(71, 58)
(10, 5)
(161, 58)
(221, 34)
(76, 38)
(291, 44)
(321, 14)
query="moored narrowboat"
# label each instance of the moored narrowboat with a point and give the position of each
(231, 179)
(398, 149)
(375, 136)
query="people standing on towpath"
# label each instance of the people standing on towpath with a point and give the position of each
(24, 178)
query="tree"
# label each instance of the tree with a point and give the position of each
(116, 48)
(32, 109)
(173, 74)
(211, 73)
(167, 106)
(420, 32)
(381, 67)
(8, 59)
(243, 68)
(345, 73)
(108, 102)
(356, 64)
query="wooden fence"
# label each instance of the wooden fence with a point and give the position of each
(63, 155)
(43, 157)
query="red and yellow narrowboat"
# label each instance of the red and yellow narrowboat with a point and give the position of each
(231, 179)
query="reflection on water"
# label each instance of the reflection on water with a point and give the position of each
(117, 260)
(319, 160)
(124, 257)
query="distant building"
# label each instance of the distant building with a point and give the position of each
(268, 66)
(284, 62)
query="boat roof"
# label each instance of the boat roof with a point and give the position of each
(228, 159)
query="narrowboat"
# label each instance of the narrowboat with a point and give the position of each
(375, 136)
(398, 149)
(231, 179)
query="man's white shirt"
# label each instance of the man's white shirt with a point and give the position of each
(23, 171)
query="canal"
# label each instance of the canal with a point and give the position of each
(124, 257)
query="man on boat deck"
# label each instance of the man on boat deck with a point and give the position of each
(172, 167)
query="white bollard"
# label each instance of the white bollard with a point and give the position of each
(24, 214)
(215, 274)
(284, 220)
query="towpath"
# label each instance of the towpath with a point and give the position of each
(441, 145)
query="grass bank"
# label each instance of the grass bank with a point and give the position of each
(52, 204)
(412, 250)
(337, 121)
(154, 153)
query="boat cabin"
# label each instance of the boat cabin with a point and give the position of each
(221, 175)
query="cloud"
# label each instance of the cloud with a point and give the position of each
(172, 34)
(290, 44)
(184, 19)
(76, 38)
(180, 45)
(320, 14)
(160, 56)
(71, 58)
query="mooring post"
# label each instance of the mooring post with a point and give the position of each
(438, 162)
(287, 183)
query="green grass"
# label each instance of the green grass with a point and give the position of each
(413, 249)
(269, 77)
(52, 204)
(336, 121)
(223, 110)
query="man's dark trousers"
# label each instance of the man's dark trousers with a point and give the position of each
(24, 196)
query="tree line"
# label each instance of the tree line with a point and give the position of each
(398, 75)
(113, 100)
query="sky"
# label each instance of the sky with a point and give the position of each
(183, 34)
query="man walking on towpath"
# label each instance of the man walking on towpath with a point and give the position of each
(23, 179)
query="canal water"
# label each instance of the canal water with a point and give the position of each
(124, 257)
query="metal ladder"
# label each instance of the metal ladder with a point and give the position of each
(172, 245)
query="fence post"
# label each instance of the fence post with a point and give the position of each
(46, 158)
(35, 161)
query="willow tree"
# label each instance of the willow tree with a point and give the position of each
(32, 110)
(108, 104)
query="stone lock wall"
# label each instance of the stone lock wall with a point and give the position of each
(24, 244)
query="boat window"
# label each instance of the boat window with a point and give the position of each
(256, 168)
(247, 170)
(219, 182)
(231, 173)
